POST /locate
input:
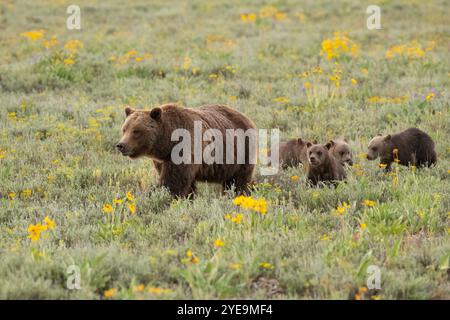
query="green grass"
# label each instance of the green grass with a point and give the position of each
(59, 124)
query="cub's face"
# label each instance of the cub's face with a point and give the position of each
(317, 154)
(376, 147)
(341, 151)
(139, 132)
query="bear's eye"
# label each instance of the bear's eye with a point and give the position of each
(136, 132)
(374, 148)
(319, 153)
(342, 153)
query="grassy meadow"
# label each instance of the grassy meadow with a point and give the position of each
(310, 68)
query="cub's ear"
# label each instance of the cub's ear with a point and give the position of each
(300, 141)
(329, 144)
(387, 138)
(308, 144)
(314, 141)
(155, 113)
(128, 111)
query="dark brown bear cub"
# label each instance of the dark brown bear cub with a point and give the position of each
(409, 147)
(323, 166)
(150, 133)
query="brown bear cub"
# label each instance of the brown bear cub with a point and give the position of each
(323, 166)
(340, 149)
(291, 153)
(409, 147)
(149, 133)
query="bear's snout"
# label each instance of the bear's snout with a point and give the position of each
(121, 147)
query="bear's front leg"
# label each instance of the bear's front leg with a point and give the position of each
(179, 179)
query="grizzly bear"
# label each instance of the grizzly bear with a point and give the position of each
(340, 149)
(409, 147)
(323, 166)
(150, 133)
(291, 153)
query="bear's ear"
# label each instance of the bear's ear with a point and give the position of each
(314, 141)
(155, 113)
(308, 144)
(387, 138)
(300, 141)
(128, 111)
(329, 144)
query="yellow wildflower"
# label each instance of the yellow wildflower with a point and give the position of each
(129, 196)
(132, 208)
(139, 288)
(235, 266)
(49, 223)
(35, 231)
(368, 203)
(33, 35)
(69, 62)
(73, 45)
(266, 265)
(110, 293)
(107, 208)
(219, 243)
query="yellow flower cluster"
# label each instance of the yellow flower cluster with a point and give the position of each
(190, 258)
(410, 50)
(2, 153)
(268, 12)
(387, 100)
(234, 217)
(36, 230)
(33, 35)
(340, 44)
(248, 203)
(131, 55)
(266, 265)
(73, 46)
(341, 209)
(108, 208)
(368, 203)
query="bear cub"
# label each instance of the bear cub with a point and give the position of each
(340, 149)
(409, 147)
(291, 153)
(323, 166)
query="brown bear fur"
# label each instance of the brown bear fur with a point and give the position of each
(414, 147)
(323, 166)
(148, 133)
(340, 149)
(291, 153)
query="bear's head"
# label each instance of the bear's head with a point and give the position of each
(341, 151)
(378, 146)
(140, 132)
(317, 154)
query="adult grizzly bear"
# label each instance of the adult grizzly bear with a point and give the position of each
(323, 166)
(150, 133)
(409, 147)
